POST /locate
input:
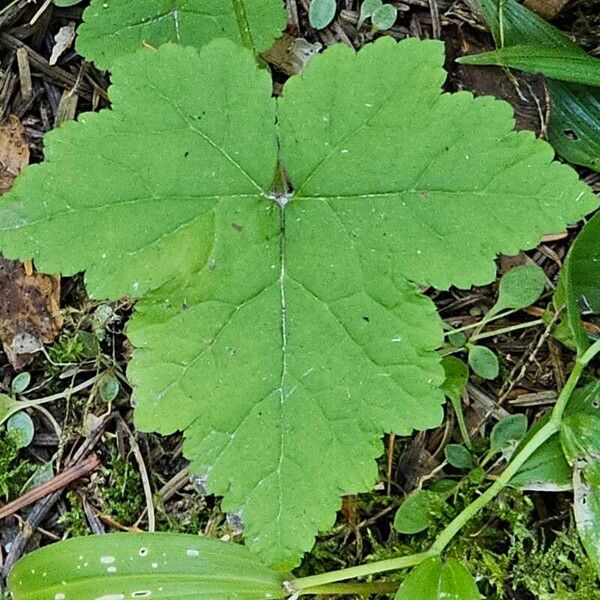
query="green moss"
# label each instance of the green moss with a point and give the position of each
(74, 520)
(510, 555)
(122, 491)
(14, 471)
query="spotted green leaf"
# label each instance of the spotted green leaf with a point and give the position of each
(283, 330)
(113, 28)
(163, 566)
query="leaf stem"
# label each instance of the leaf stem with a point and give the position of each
(303, 584)
(359, 589)
(495, 332)
(23, 404)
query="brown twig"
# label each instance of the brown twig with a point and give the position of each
(59, 482)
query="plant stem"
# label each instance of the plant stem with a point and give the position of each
(359, 589)
(16, 407)
(317, 583)
(484, 321)
(447, 535)
(393, 564)
(495, 332)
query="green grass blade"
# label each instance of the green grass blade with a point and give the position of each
(556, 63)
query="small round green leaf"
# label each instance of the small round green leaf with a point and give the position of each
(20, 383)
(65, 3)
(321, 13)
(384, 17)
(23, 428)
(366, 10)
(458, 456)
(414, 514)
(458, 339)
(508, 432)
(520, 287)
(484, 362)
(109, 387)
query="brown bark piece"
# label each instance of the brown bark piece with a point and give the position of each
(547, 9)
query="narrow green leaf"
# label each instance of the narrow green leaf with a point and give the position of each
(458, 456)
(586, 505)
(147, 565)
(484, 362)
(415, 513)
(321, 13)
(583, 266)
(573, 126)
(508, 432)
(556, 63)
(384, 17)
(520, 287)
(366, 10)
(115, 28)
(580, 438)
(434, 580)
(22, 426)
(579, 284)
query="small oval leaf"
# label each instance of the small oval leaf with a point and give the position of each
(384, 17)
(22, 427)
(508, 432)
(366, 10)
(520, 287)
(484, 362)
(321, 13)
(458, 456)
(414, 514)
(159, 565)
(20, 383)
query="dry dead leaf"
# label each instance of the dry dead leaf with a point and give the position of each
(29, 301)
(14, 151)
(29, 311)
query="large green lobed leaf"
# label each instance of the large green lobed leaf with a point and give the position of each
(284, 338)
(113, 28)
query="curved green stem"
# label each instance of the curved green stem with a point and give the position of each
(303, 584)
(321, 584)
